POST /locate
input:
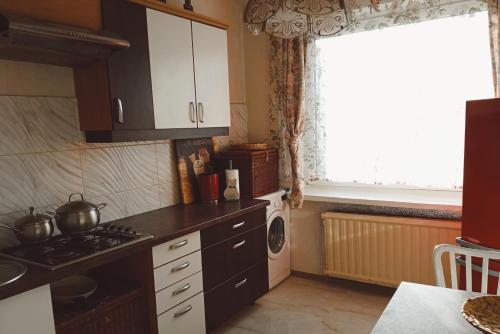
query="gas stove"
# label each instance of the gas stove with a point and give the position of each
(62, 250)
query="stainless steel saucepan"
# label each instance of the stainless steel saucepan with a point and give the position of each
(32, 228)
(77, 216)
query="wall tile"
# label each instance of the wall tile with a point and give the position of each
(44, 158)
(238, 121)
(38, 124)
(38, 179)
(117, 169)
(169, 194)
(167, 163)
(128, 203)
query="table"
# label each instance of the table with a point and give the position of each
(417, 308)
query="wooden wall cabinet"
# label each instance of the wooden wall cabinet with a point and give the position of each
(171, 83)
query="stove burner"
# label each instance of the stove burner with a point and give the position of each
(63, 250)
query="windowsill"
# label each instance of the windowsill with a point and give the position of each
(439, 200)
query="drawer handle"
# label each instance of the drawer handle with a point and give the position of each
(237, 285)
(235, 226)
(183, 311)
(179, 268)
(239, 244)
(179, 244)
(181, 290)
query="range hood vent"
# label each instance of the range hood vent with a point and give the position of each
(30, 40)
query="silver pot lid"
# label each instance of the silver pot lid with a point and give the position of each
(76, 206)
(32, 219)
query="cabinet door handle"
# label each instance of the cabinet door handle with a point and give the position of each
(202, 112)
(179, 244)
(183, 311)
(235, 226)
(119, 110)
(179, 268)
(192, 112)
(239, 244)
(181, 290)
(237, 285)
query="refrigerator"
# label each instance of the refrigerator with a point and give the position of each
(481, 185)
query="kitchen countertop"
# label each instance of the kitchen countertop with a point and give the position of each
(164, 224)
(417, 308)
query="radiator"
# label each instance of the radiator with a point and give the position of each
(383, 250)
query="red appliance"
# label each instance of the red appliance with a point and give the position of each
(481, 189)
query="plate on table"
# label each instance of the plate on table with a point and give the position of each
(483, 313)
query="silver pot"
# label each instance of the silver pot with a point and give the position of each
(76, 217)
(32, 228)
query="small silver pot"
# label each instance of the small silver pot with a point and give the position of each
(32, 228)
(77, 217)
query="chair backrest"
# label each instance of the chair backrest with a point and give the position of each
(469, 253)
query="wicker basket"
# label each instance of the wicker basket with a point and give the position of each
(483, 313)
(258, 170)
(248, 147)
(116, 313)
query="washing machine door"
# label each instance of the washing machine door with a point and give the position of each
(276, 235)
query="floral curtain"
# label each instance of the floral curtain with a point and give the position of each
(287, 109)
(295, 109)
(493, 13)
(379, 14)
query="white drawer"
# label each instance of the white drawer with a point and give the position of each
(176, 248)
(179, 292)
(177, 270)
(188, 317)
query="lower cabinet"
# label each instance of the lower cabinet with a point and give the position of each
(235, 294)
(235, 271)
(178, 282)
(187, 317)
(28, 312)
(204, 278)
(233, 256)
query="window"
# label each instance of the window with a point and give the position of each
(394, 100)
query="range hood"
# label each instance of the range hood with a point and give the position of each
(36, 41)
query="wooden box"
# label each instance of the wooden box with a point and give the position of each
(258, 170)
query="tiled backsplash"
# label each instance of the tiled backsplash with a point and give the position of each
(44, 158)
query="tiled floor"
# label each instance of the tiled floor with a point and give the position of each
(305, 306)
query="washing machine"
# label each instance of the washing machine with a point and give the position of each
(278, 237)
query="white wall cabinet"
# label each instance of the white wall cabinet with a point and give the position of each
(172, 72)
(211, 76)
(189, 73)
(28, 312)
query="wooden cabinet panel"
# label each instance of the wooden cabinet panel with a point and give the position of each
(228, 299)
(172, 73)
(28, 312)
(233, 227)
(212, 76)
(231, 257)
(78, 13)
(129, 70)
(177, 270)
(176, 248)
(179, 292)
(92, 91)
(187, 317)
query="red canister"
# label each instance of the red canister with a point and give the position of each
(209, 187)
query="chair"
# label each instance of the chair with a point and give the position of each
(469, 253)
